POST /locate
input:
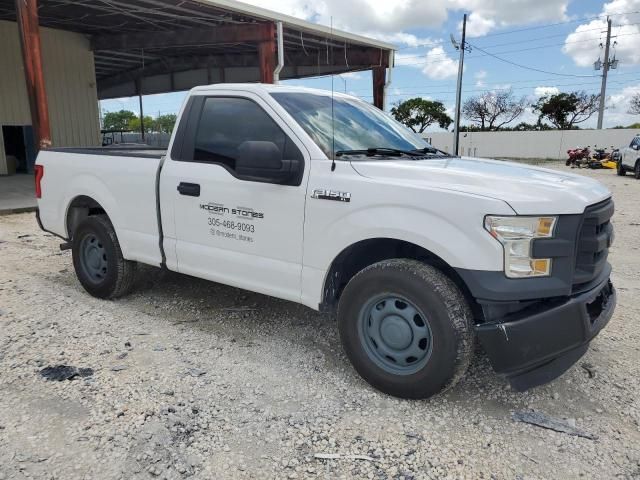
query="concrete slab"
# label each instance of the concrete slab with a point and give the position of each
(17, 194)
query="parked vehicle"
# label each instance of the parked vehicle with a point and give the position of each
(629, 158)
(418, 252)
(578, 157)
(600, 153)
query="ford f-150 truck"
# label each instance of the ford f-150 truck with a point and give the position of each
(324, 200)
(628, 158)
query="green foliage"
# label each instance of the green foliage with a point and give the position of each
(565, 110)
(119, 120)
(165, 123)
(127, 120)
(418, 114)
(148, 124)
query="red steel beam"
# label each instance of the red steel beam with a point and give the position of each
(379, 79)
(28, 26)
(267, 54)
(225, 34)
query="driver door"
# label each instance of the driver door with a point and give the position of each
(245, 233)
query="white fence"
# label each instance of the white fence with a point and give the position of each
(548, 144)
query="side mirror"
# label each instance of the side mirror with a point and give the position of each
(262, 162)
(636, 146)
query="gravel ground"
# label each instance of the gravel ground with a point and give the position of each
(195, 379)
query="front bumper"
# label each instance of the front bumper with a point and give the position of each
(540, 343)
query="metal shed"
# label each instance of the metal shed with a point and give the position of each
(144, 47)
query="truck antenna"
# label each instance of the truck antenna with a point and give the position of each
(333, 123)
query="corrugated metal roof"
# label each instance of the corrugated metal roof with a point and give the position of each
(310, 49)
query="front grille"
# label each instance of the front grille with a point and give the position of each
(594, 240)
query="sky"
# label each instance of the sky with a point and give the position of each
(553, 44)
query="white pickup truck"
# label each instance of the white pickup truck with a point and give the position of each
(326, 201)
(629, 158)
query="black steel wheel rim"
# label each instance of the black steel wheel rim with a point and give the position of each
(395, 334)
(93, 258)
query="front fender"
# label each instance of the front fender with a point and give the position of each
(461, 241)
(454, 234)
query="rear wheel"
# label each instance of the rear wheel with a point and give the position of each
(406, 328)
(98, 261)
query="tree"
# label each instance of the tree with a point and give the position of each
(148, 124)
(565, 110)
(634, 107)
(492, 110)
(165, 123)
(119, 120)
(418, 114)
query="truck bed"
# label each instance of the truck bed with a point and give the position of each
(121, 180)
(140, 151)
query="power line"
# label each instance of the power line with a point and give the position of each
(536, 27)
(506, 52)
(534, 81)
(451, 92)
(532, 68)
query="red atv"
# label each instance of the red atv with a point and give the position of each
(578, 157)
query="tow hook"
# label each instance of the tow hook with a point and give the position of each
(65, 246)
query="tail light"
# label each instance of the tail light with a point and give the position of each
(39, 171)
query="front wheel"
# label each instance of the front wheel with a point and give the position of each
(636, 170)
(98, 260)
(406, 328)
(620, 169)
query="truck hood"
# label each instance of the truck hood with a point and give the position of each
(528, 190)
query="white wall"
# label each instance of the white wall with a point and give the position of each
(70, 80)
(549, 144)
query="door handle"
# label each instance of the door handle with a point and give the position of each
(189, 189)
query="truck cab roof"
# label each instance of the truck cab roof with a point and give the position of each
(265, 88)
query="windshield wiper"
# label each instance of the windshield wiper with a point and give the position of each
(431, 151)
(370, 152)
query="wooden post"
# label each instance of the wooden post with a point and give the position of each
(28, 26)
(267, 54)
(379, 78)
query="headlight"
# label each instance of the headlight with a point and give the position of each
(516, 235)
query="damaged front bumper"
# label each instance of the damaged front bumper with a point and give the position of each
(539, 343)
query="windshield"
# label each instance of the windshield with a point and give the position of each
(357, 125)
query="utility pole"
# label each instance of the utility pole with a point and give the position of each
(462, 47)
(606, 65)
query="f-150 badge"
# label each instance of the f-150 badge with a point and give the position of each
(323, 194)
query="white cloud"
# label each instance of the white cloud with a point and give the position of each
(583, 44)
(352, 75)
(477, 25)
(436, 64)
(618, 107)
(486, 15)
(544, 91)
(480, 77)
(402, 38)
(391, 20)
(439, 65)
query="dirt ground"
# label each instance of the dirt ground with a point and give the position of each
(195, 379)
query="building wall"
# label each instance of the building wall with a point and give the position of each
(70, 82)
(549, 144)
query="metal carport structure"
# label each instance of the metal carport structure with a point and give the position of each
(145, 47)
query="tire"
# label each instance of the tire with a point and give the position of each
(98, 261)
(636, 170)
(441, 332)
(620, 169)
